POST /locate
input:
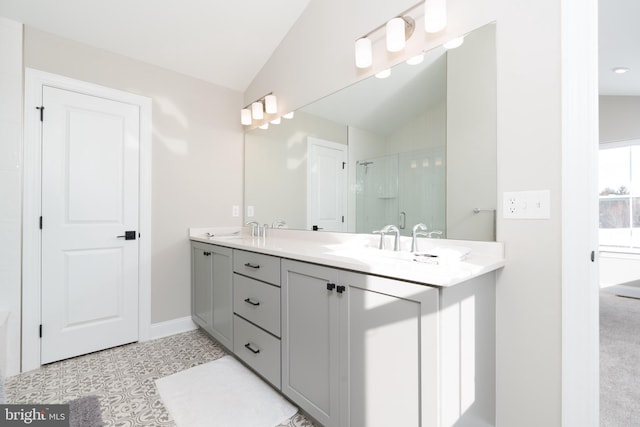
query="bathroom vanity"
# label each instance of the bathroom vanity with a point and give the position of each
(354, 335)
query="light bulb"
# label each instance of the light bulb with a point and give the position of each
(396, 35)
(415, 60)
(620, 70)
(364, 55)
(454, 43)
(435, 15)
(270, 104)
(384, 73)
(245, 116)
(256, 111)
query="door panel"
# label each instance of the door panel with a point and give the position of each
(326, 185)
(90, 166)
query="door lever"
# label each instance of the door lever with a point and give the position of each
(128, 235)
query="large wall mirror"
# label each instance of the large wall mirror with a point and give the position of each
(416, 147)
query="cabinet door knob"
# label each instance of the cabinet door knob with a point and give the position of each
(331, 286)
(249, 346)
(340, 289)
(248, 264)
(252, 302)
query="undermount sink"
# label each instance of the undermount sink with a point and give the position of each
(430, 253)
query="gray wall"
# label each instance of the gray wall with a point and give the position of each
(197, 153)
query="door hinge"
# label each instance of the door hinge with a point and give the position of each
(41, 108)
(40, 331)
(40, 223)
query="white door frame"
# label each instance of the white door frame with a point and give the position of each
(31, 247)
(580, 287)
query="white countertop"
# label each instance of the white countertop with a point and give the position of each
(358, 252)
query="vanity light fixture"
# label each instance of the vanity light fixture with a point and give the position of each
(435, 15)
(399, 30)
(270, 104)
(364, 55)
(256, 110)
(245, 116)
(415, 60)
(620, 70)
(384, 73)
(453, 43)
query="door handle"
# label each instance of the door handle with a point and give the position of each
(128, 235)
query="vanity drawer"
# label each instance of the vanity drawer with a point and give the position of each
(257, 349)
(257, 302)
(259, 266)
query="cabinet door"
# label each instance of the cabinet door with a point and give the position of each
(211, 291)
(389, 342)
(310, 354)
(222, 294)
(201, 286)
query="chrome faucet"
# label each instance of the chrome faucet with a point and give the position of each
(254, 225)
(278, 223)
(419, 230)
(388, 229)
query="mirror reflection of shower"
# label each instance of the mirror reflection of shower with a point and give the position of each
(401, 189)
(365, 164)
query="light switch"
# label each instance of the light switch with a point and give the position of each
(526, 204)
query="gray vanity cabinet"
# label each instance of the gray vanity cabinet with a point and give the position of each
(359, 350)
(310, 339)
(211, 291)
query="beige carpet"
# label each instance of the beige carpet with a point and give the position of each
(619, 361)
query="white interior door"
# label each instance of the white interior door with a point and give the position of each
(90, 185)
(326, 185)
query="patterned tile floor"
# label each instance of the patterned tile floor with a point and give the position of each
(123, 378)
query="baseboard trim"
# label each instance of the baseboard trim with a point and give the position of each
(172, 327)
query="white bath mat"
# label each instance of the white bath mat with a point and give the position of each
(222, 393)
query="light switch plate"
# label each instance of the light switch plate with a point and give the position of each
(526, 204)
(235, 211)
(250, 212)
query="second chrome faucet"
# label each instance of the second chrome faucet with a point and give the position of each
(388, 229)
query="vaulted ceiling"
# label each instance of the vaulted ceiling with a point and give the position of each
(220, 41)
(228, 42)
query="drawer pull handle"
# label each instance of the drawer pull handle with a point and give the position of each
(331, 286)
(249, 346)
(252, 302)
(340, 289)
(256, 266)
